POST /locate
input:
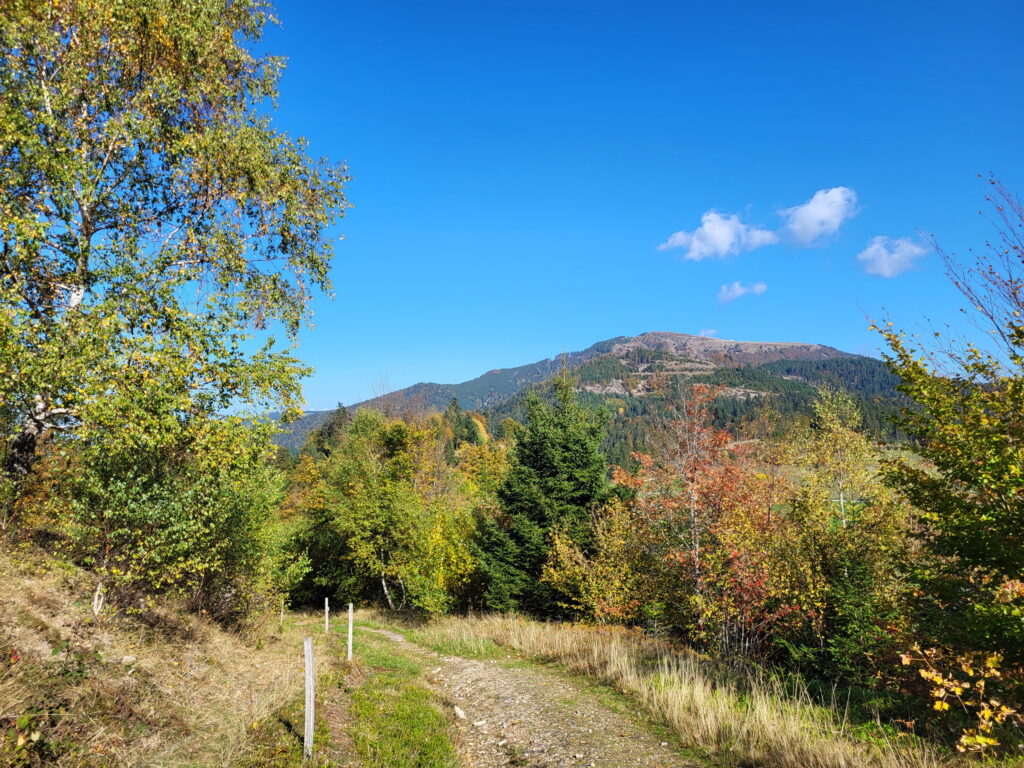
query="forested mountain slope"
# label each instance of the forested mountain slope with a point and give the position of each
(642, 389)
(641, 380)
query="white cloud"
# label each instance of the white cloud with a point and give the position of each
(719, 236)
(889, 257)
(707, 332)
(733, 290)
(822, 215)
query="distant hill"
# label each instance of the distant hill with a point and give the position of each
(299, 430)
(641, 379)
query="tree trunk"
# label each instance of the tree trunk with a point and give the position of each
(404, 595)
(21, 453)
(387, 594)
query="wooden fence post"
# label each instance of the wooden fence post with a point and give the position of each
(327, 613)
(307, 739)
(350, 631)
(97, 599)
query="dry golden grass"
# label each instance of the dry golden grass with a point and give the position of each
(763, 722)
(168, 689)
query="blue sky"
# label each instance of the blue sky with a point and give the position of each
(518, 164)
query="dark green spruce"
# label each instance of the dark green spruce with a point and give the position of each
(558, 475)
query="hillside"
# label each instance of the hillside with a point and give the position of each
(641, 379)
(643, 389)
(485, 391)
(126, 685)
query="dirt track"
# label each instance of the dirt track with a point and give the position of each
(531, 717)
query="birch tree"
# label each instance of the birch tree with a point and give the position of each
(151, 219)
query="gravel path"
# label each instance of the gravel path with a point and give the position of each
(530, 717)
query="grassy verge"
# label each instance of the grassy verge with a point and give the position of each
(397, 720)
(767, 722)
(468, 645)
(276, 741)
(160, 688)
(392, 718)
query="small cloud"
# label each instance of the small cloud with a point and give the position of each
(719, 236)
(889, 257)
(822, 215)
(732, 291)
(707, 332)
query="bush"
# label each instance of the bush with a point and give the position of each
(191, 523)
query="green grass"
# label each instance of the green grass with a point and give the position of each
(397, 720)
(467, 646)
(394, 719)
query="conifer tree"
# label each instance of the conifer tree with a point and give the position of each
(557, 476)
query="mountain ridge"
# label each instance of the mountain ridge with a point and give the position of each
(492, 389)
(701, 348)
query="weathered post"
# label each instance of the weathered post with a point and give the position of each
(327, 613)
(350, 631)
(97, 599)
(307, 739)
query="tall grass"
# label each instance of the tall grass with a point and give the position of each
(164, 689)
(750, 720)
